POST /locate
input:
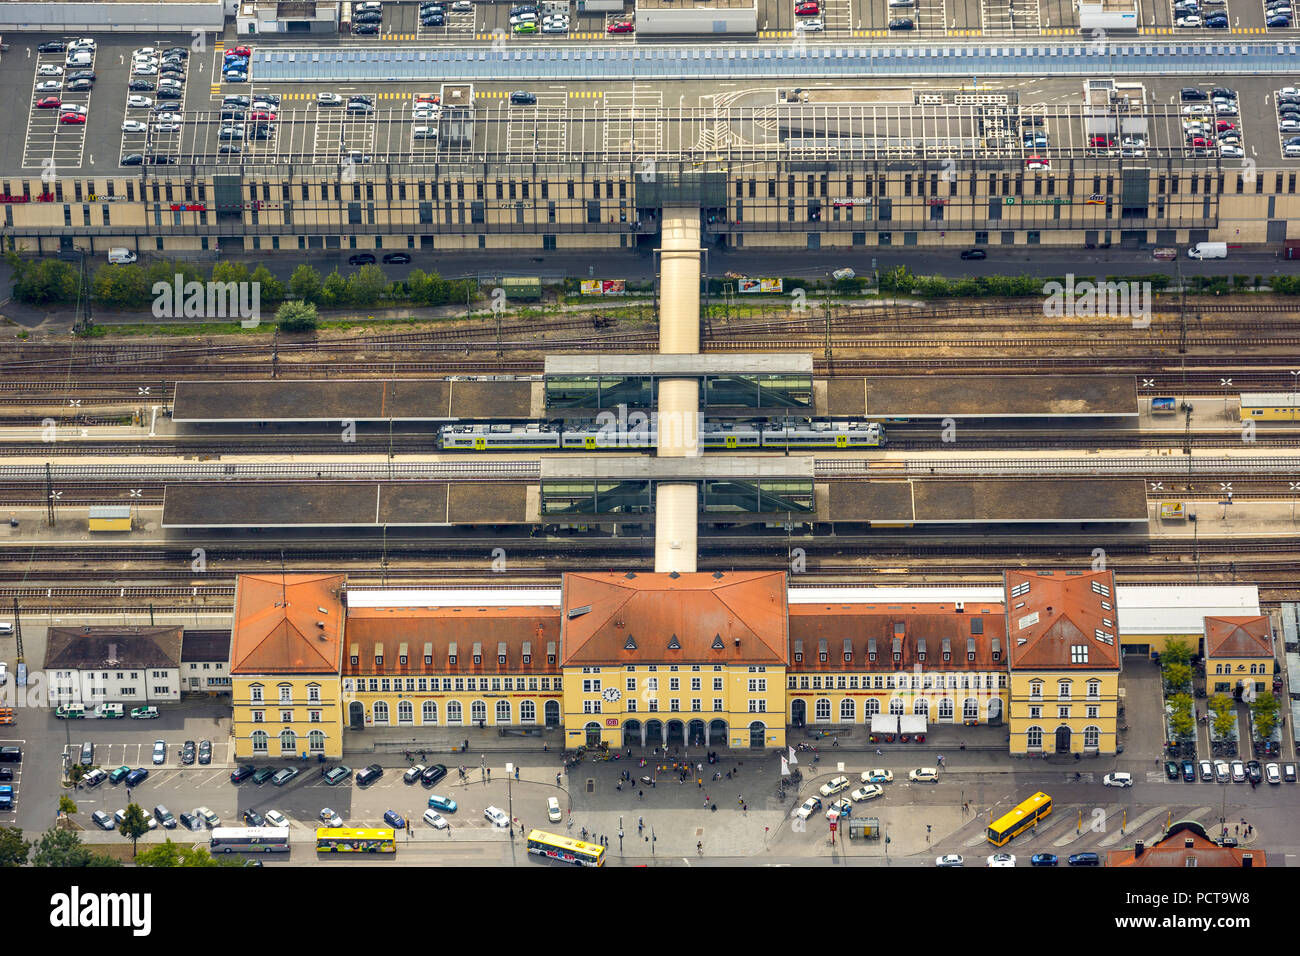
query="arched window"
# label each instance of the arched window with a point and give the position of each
(896, 705)
(503, 712)
(823, 709)
(429, 712)
(381, 712)
(1034, 738)
(1091, 737)
(921, 706)
(259, 741)
(478, 711)
(945, 708)
(970, 709)
(847, 710)
(453, 712)
(527, 712)
(870, 707)
(288, 743)
(316, 741)
(405, 712)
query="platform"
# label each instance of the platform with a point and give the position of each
(342, 504)
(982, 396)
(987, 501)
(378, 400)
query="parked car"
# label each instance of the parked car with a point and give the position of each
(284, 776)
(950, 859)
(1043, 859)
(369, 774)
(159, 752)
(87, 754)
(434, 819)
(330, 818)
(394, 820)
(242, 773)
(118, 775)
(397, 258)
(53, 46)
(190, 821)
(1272, 773)
(523, 98)
(1001, 860)
(361, 259)
(553, 809)
(1221, 772)
(445, 804)
(205, 751)
(842, 807)
(1238, 771)
(94, 778)
(1189, 771)
(1085, 859)
(877, 776)
(974, 254)
(254, 819)
(924, 775)
(834, 786)
(1207, 770)
(188, 750)
(143, 713)
(211, 819)
(275, 818)
(433, 774)
(328, 99)
(1254, 771)
(336, 775)
(1171, 769)
(869, 792)
(413, 774)
(809, 807)
(496, 816)
(49, 103)
(136, 777)
(903, 23)
(1117, 780)
(103, 820)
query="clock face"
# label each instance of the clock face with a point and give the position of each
(611, 694)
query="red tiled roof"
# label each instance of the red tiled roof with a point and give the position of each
(919, 628)
(1173, 850)
(732, 618)
(276, 619)
(436, 631)
(1050, 613)
(1238, 636)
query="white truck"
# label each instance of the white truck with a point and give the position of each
(1208, 250)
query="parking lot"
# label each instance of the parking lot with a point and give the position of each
(52, 144)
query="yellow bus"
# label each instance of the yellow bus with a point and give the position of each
(332, 840)
(1012, 824)
(561, 848)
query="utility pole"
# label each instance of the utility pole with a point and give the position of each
(828, 322)
(49, 496)
(275, 353)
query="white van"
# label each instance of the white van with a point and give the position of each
(6, 629)
(79, 58)
(121, 256)
(425, 132)
(368, 7)
(1291, 151)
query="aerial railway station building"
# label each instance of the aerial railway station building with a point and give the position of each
(738, 659)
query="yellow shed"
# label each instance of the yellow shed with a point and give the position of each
(110, 518)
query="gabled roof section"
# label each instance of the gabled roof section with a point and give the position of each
(113, 646)
(287, 624)
(638, 618)
(1238, 636)
(1062, 620)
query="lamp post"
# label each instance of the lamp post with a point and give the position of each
(510, 797)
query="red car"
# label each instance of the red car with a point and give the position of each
(240, 51)
(433, 98)
(1100, 141)
(1223, 126)
(49, 103)
(624, 27)
(72, 119)
(263, 116)
(807, 9)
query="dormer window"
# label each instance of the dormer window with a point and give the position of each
(355, 660)
(848, 657)
(501, 659)
(428, 660)
(550, 660)
(379, 660)
(822, 657)
(798, 657)
(528, 658)
(451, 659)
(478, 659)
(402, 660)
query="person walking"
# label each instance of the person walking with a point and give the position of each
(641, 794)
(557, 779)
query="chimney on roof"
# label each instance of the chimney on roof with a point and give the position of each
(717, 575)
(321, 625)
(1248, 860)
(674, 575)
(1189, 843)
(322, 610)
(630, 575)
(737, 642)
(1138, 849)
(960, 607)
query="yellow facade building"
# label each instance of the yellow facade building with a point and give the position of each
(1238, 655)
(285, 666)
(671, 659)
(1062, 631)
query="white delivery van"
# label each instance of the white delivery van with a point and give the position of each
(121, 256)
(1208, 250)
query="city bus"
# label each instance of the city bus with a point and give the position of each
(567, 851)
(1002, 830)
(332, 840)
(250, 840)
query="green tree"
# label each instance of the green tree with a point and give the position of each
(296, 316)
(13, 848)
(271, 289)
(133, 825)
(167, 271)
(366, 286)
(121, 287)
(419, 285)
(1177, 676)
(75, 774)
(43, 281)
(230, 272)
(169, 854)
(305, 284)
(67, 805)
(1181, 722)
(1264, 713)
(1176, 652)
(334, 290)
(63, 848)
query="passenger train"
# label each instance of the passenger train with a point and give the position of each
(591, 436)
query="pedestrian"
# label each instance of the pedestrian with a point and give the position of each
(488, 771)
(641, 794)
(1236, 829)
(740, 801)
(835, 741)
(699, 847)
(557, 779)
(653, 784)
(744, 808)
(640, 824)
(699, 783)
(879, 752)
(516, 773)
